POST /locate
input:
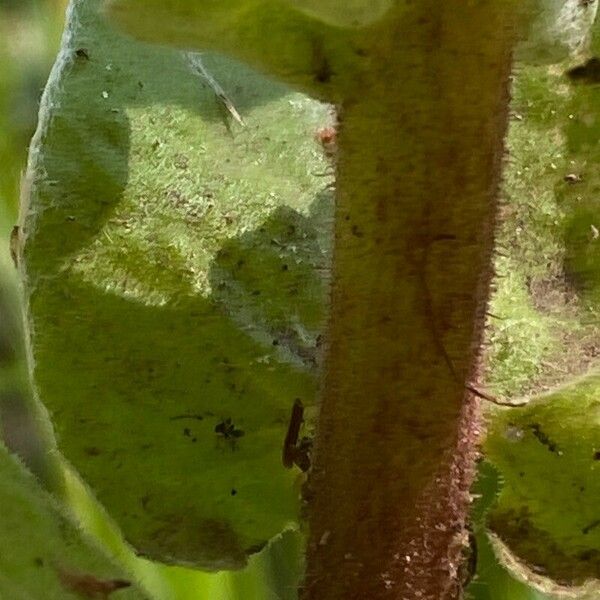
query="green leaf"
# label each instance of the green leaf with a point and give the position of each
(42, 554)
(175, 267)
(311, 54)
(492, 580)
(272, 574)
(548, 455)
(544, 330)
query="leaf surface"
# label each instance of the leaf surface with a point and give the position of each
(42, 553)
(175, 265)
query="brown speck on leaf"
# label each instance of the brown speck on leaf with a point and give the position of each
(356, 232)
(196, 417)
(90, 586)
(321, 66)
(227, 430)
(296, 452)
(327, 137)
(92, 451)
(588, 72)
(14, 244)
(82, 54)
(590, 527)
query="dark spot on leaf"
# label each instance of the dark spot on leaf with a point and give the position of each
(588, 72)
(82, 54)
(38, 562)
(597, 455)
(233, 492)
(92, 451)
(321, 66)
(190, 416)
(590, 526)
(187, 432)
(89, 586)
(15, 242)
(543, 438)
(255, 548)
(227, 430)
(323, 72)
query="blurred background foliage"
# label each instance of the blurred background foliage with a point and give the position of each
(29, 39)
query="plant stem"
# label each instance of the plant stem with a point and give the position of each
(420, 153)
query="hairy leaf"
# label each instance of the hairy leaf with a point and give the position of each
(42, 553)
(175, 264)
(548, 455)
(544, 331)
(490, 580)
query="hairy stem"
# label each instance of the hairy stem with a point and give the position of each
(420, 153)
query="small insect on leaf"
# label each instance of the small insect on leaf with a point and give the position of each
(291, 438)
(227, 430)
(296, 452)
